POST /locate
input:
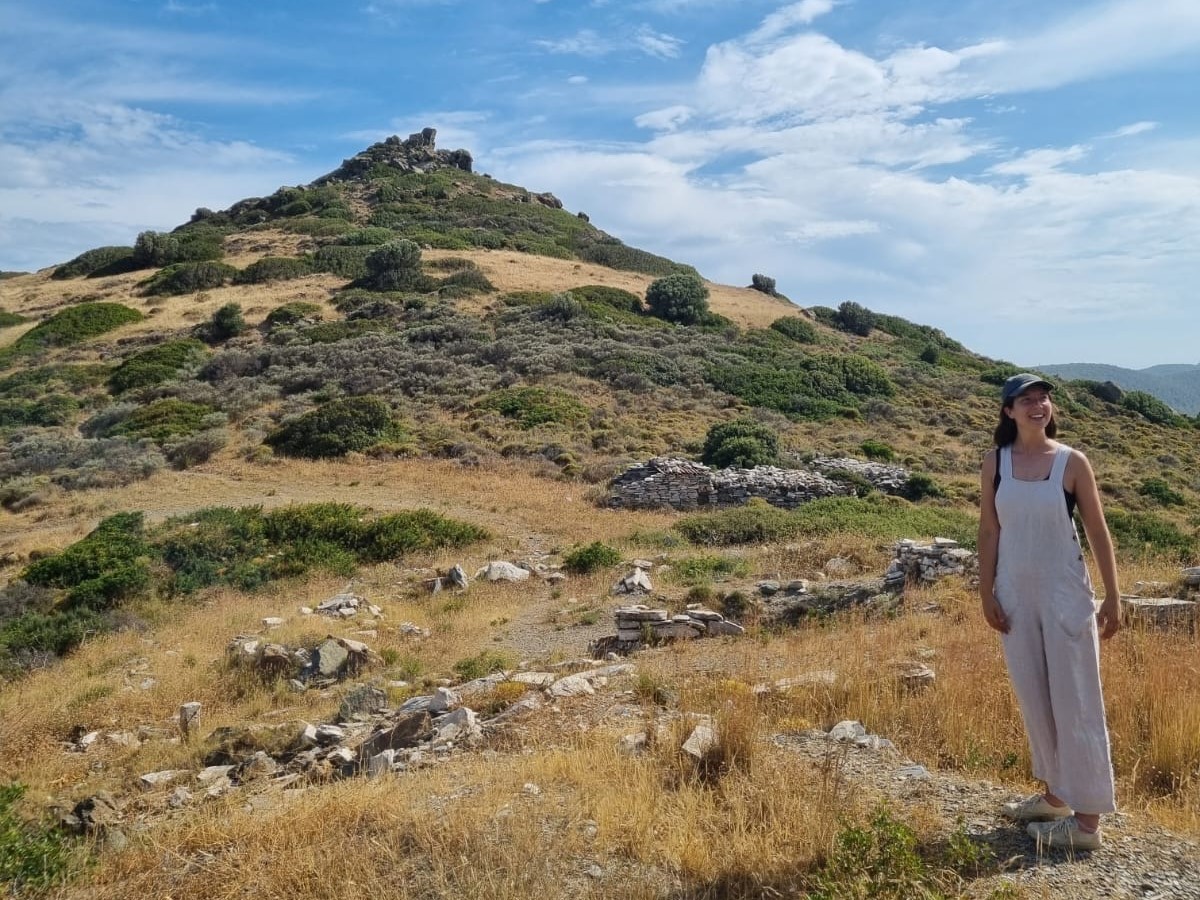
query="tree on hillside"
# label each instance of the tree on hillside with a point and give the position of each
(395, 266)
(681, 298)
(742, 442)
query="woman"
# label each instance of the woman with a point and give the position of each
(1037, 593)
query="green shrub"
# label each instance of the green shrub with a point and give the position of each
(742, 442)
(33, 857)
(587, 559)
(198, 243)
(103, 568)
(854, 318)
(188, 278)
(335, 429)
(8, 320)
(931, 354)
(391, 536)
(225, 323)
(275, 268)
(57, 632)
(623, 300)
(680, 298)
(470, 280)
(763, 283)
(485, 662)
(332, 332)
(797, 329)
(1151, 408)
(344, 261)
(1159, 491)
(292, 313)
(52, 409)
(920, 485)
(615, 255)
(880, 860)
(98, 262)
(533, 406)
(1103, 390)
(156, 365)
(1145, 534)
(162, 420)
(877, 450)
(394, 266)
(693, 570)
(77, 323)
(755, 523)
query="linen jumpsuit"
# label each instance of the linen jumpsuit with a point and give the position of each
(1052, 647)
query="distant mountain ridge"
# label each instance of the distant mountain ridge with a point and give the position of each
(1177, 385)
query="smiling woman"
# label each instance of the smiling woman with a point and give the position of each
(1036, 591)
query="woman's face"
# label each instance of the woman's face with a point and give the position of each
(1033, 407)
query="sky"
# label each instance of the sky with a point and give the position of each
(1023, 175)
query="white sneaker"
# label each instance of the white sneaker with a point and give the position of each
(1036, 809)
(1065, 834)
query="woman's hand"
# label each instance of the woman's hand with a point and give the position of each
(994, 614)
(1108, 617)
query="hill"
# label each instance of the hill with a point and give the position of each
(1178, 386)
(360, 393)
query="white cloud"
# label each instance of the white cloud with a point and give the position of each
(667, 119)
(583, 43)
(1133, 129)
(653, 43)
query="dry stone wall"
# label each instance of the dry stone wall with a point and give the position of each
(684, 484)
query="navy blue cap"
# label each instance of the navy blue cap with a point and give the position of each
(1019, 384)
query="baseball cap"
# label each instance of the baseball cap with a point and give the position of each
(1018, 384)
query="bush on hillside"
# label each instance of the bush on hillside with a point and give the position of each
(533, 406)
(877, 450)
(292, 314)
(797, 329)
(680, 298)
(1160, 492)
(343, 261)
(34, 856)
(52, 409)
(921, 485)
(854, 318)
(755, 523)
(394, 266)
(226, 322)
(591, 558)
(1151, 408)
(198, 243)
(616, 255)
(97, 262)
(334, 429)
(275, 268)
(8, 320)
(105, 567)
(1145, 535)
(468, 280)
(77, 323)
(161, 420)
(156, 365)
(188, 278)
(1102, 390)
(763, 283)
(743, 443)
(623, 300)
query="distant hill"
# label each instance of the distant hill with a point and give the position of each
(1176, 385)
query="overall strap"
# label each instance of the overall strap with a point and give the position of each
(1061, 458)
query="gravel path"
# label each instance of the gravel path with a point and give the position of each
(1136, 861)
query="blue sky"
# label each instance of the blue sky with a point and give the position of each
(1024, 176)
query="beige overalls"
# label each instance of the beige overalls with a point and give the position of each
(1053, 646)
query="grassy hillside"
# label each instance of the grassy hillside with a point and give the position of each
(373, 378)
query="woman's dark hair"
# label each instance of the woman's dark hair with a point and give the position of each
(1006, 431)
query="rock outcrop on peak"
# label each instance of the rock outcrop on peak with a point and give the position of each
(416, 153)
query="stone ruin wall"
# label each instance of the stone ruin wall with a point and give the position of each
(684, 484)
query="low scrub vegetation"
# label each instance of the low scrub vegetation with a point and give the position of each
(533, 406)
(76, 324)
(591, 558)
(743, 443)
(275, 268)
(157, 365)
(97, 263)
(874, 517)
(189, 278)
(335, 429)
